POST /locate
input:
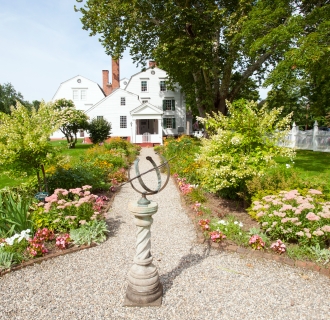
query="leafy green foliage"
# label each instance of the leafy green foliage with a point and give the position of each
(6, 259)
(211, 48)
(15, 215)
(93, 231)
(24, 139)
(241, 146)
(99, 130)
(71, 120)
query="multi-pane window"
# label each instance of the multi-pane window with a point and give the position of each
(83, 94)
(75, 95)
(123, 121)
(144, 86)
(162, 86)
(169, 123)
(122, 101)
(168, 105)
(144, 101)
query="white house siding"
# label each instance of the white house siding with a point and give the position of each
(93, 92)
(155, 96)
(111, 110)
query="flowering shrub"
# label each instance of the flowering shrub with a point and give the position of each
(18, 237)
(62, 242)
(240, 147)
(204, 224)
(44, 234)
(67, 209)
(36, 248)
(256, 242)
(293, 217)
(184, 187)
(217, 236)
(278, 246)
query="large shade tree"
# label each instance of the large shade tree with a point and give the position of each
(301, 81)
(214, 49)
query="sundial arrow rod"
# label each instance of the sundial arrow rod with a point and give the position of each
(143, 173)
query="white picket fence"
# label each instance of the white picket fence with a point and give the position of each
(315, 139)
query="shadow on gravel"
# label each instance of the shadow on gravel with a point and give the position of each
(186, 262)
(113, 225)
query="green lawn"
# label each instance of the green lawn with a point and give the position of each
(312, 165)
(80, 148)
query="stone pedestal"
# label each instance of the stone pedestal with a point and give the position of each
(144, 288)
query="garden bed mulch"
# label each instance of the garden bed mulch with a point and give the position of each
(54, 252)
(219, 209)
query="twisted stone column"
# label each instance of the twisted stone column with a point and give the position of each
(144, 287)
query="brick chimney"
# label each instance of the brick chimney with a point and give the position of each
(152, 64)
(107, 87)
(115, 74)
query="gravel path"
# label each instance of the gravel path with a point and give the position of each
(199, 283)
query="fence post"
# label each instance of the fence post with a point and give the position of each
(293, 135)
(315, 132)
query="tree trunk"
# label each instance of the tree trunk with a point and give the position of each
(44, 177)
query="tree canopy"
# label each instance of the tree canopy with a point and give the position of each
(212, 48)
(301, 80)
(71, 120)
(24, 138)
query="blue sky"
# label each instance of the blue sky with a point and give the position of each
(42, 44)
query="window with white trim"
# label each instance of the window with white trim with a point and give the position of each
(169, 123)
(144, 86)
(123, 101)
(123, 122)
(75, 94)
(144, 101)
(169, 104)
(83, 94)
(162, 85)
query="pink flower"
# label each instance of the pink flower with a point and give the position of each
(314, 191)
(312, 217)
(318, 233)
(87, 187)
(278, 246)
(300, 233)
(326, 228)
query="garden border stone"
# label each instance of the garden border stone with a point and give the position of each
(47, 257)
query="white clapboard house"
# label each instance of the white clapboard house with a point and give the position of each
(140, 109)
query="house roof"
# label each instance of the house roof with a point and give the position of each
(155, 68)
(109, 96)
(74, 78)
(146, 108)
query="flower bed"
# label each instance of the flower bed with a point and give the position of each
(66, 219)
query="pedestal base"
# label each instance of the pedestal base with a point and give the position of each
(142, 302)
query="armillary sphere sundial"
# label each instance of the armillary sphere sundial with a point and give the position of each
(144, 287)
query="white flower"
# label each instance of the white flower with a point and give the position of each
(288, 166)
(241, 224)
(222, 222)
(236, 222)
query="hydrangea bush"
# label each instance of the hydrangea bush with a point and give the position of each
(293, 217)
